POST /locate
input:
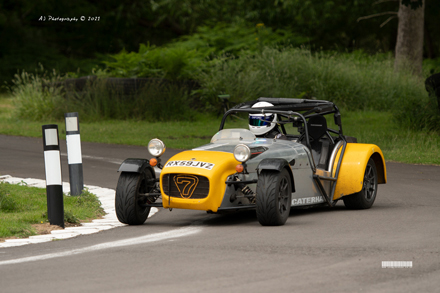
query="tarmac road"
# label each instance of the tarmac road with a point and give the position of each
(332, 250)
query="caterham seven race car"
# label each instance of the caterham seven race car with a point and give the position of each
(287, 157)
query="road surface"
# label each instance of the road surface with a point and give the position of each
(321, 249)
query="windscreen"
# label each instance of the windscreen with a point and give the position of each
(233, 135)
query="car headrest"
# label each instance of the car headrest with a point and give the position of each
(317, 126)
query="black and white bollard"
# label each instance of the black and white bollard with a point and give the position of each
(54, 182)
(74, 156)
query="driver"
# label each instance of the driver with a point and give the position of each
(264, 125)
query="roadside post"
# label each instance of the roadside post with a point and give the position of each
(52, 166)
(74, 156)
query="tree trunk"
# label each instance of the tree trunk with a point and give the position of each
(409, 46)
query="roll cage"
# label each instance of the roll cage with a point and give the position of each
(296, 111)
(299, 112)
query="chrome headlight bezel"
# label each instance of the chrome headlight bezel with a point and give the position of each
(156, 147)
(242, 153)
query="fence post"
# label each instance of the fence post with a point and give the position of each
(54, 182)
(74, 156)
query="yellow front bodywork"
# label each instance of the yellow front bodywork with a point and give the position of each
(224, 165)
(354, 162)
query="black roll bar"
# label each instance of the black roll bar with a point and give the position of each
(268, 110)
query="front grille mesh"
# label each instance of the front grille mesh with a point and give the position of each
(185, 186)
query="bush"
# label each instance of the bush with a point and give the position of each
(184, 58)
(156, 100)
(46, 97)
(175, 63)
(431, 66)
(418, 113)
(35, 98)
(354, 81)
(237, 39)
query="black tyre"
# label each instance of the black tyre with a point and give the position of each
(364, 199)
(127, 197)
(274, 193)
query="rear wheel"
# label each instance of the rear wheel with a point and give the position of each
(127, 201)
(364, 199)
(274, 193)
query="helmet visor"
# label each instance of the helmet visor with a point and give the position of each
(260, 120)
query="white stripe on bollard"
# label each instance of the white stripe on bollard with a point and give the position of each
(74, 155)
(53, 170)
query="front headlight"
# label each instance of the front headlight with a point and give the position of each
(156, 147)
(242, 153)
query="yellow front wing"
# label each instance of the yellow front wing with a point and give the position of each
(185, 171)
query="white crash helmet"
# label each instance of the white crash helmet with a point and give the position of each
(260, 124)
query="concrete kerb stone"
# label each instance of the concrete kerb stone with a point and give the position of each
(105, 195)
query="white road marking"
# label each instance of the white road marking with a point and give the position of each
(108, 160)
(126, 242)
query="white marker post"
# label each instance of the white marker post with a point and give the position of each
(74, 156)
(54, 182)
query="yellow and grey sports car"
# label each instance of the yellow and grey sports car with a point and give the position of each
(287, 157)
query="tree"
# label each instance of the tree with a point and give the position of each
(409, 45)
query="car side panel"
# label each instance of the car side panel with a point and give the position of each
(354, 162)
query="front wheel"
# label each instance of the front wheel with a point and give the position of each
(130, 186)
(274, 193)
(364, 199)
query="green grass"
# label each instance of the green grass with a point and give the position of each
(21, 206)
(397, 143)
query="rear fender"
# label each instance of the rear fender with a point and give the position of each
(277, 165)
(354, 162)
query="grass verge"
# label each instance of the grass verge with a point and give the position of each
(397, 143)
(22, 208)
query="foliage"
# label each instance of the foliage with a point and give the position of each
(67, 46)
(188, 55)
(324, 24)
(418, 113)
(170, 63)
(44, 97)
(36, 98)
(431, 66)
(104, 100)
(355, 81)
(239, 38)
(345, 79)
(27, 39)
